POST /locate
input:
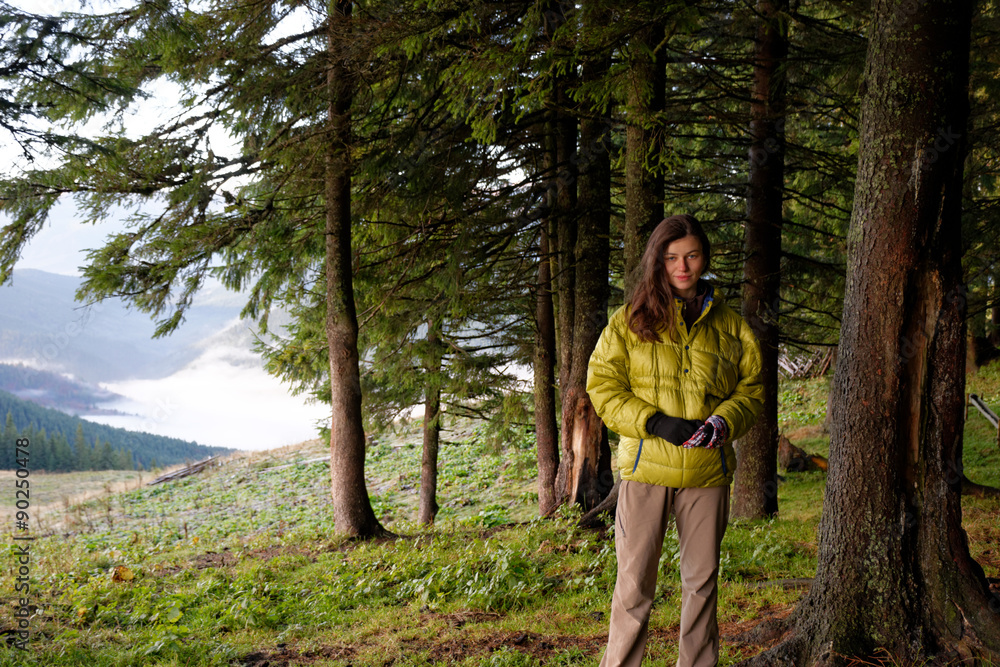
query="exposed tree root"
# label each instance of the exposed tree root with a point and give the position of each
(970, 488)
(788, 653)
(801, 647)
(766, 632)
(375, 535)
(595, 518)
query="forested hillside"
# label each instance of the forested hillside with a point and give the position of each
(62, 442)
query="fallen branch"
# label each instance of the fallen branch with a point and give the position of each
(984, 410)
(184, 472)
(815, 365)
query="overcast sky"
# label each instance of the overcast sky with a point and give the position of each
(61, 246)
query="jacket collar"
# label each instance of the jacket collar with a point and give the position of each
(702, 285)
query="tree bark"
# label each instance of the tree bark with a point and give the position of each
(546, 432)
(566, 231)
(755, 492)
(545, 359)
(431, 429)
(643, 144)
(594, 518)
(585, 474)
(895, 571)
(353, 514)
(565, 204)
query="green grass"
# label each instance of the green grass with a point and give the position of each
(52, 494)
(239, 565)
(802, 403)
(981, 456)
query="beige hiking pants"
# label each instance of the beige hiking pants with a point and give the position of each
(640, 523)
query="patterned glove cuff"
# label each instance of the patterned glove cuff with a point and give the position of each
(721, 434)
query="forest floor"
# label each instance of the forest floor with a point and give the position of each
(239, 565)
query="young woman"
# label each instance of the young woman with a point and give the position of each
(676, 375)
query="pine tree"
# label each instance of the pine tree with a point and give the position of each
(429, 221)
(41, 453)
(895, 572)
(755, 489)
(40, 50)
(284, 126)
(82, 451)
(38, 445)
(105, 458)
(62, 456)
(8, 443)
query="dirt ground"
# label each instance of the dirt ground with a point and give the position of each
(542, 647)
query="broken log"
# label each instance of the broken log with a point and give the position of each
(796, 459)
(184, 472)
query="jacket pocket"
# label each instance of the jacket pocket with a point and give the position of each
(637, 455)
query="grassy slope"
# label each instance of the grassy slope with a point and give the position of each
(53, 494)
(240, 566)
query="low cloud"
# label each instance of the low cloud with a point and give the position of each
(224, 398)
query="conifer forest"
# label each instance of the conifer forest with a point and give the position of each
(445, 199)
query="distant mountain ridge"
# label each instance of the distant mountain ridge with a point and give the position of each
(43, 326)
(52, 390)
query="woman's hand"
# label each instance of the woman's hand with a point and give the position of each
(672, 429)
(712, 434)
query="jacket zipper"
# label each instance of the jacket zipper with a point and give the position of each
(637, 455)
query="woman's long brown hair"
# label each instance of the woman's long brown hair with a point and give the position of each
(652, 302)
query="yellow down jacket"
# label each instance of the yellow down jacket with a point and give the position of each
(713, 369)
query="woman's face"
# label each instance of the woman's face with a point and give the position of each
(684, 262)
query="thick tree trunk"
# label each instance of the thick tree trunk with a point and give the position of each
(585, 464)
(643, 179)
(432, 428)
(555, 264)
(894, 566)
(352, 510)
(546, 432)
(565, 211)
(566, 233)
(755, 492)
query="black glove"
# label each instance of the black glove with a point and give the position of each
(673, 430)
